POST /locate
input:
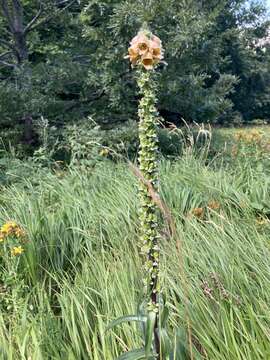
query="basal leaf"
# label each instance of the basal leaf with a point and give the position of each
(150, 325)
(124, 319)
(138, 354)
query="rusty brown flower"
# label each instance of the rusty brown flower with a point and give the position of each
(198, 212)
(146, 50)
(213, 205)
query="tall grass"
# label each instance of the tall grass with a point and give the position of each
(83, 269)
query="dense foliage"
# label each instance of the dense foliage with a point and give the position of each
(70, 260)
(70, 217)
(63, 60)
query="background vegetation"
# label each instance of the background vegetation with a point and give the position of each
(81, 266)
(69, 253)
(63, 61)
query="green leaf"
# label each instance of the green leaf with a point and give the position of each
(142, 312)
(180, 347)
(138, 354)
(257, 206)
(150, 325)
(124, 319)
(165, 343)
(164, 316)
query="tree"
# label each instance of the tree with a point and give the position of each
(16, 27)
(64, 60)
(243, 29)
(192, 50)
(19, 19)
(207, 46)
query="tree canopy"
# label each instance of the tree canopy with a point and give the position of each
(64, 60)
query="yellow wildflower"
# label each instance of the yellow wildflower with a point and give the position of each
(19, 232)
(11, 228)
(255, 136)
(17, 250)
(8, 228)
(249, 137)
(261, 220)
(239, 135)
(104, 152)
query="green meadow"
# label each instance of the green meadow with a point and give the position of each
(80, 265)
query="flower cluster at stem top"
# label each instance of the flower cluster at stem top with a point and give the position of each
(146, 50)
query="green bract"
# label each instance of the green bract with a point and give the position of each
(148, 159)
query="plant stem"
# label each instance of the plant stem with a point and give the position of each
(148, 211)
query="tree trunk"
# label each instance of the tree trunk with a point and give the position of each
(28, 133)
(21, 46)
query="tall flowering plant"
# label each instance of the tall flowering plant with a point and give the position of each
(145, 53)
